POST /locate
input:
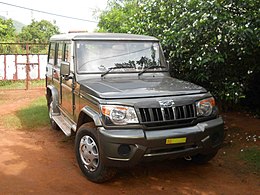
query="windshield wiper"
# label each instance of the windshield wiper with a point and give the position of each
(150, 67)
(111, 68)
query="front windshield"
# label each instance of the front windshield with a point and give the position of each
(127, 56)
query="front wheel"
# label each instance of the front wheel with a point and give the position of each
(88, 155)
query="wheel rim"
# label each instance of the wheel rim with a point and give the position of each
(89, 153)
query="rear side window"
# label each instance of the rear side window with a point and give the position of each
(67, 54)
(51, 56)
(60, 56)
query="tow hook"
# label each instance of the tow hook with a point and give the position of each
(188, 158)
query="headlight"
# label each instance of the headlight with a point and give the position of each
(119, 115)
(205, 107)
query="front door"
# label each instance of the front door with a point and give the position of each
(66, 84)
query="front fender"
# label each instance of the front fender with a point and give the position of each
(88, 115)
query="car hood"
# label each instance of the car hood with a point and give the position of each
(116, 88)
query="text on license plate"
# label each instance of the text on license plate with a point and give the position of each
(176, 140)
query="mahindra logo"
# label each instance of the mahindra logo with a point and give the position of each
(166, 103)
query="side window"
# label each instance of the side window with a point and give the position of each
(60, 54)
(67, 52)
(67, 55)
(51, 53)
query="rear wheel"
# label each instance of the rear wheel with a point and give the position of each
(88, 155)
(50, 109)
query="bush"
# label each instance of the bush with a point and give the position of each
(212, 43)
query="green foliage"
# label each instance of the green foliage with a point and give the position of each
(118, 17)
(7, 30)
(17, 25)
(7, 34)
(214, 43)
(38, 32)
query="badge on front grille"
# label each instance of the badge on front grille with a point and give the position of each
(166, 103)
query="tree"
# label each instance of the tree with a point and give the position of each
(118, 17)
(7, 30)
(38, 32)
(210, 42)
(7, 35)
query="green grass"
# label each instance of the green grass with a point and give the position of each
(12, 84)
(21, 84)
(11, 121)
(252, 157)
(37, 83)
(29, 118)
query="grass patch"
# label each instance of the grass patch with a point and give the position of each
(252, 157)
(33, 116)
(21, 84)
(36, 83)
(12, 84)
(11, 121)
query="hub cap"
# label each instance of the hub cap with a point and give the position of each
(89, 153)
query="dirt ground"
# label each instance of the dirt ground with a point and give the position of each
(42, 161)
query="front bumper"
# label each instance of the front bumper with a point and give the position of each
(127, 147)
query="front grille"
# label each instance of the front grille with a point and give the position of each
(176, 114)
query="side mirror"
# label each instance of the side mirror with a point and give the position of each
(65, 68)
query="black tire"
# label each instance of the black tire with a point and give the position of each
(88, 155)
(203, 158)
(50, 111)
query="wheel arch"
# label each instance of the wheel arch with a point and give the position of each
(53, 94)
(88, 115)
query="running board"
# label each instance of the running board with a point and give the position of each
(64, 124)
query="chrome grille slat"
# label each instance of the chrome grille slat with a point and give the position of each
(163, 114)
(168, 114)
(151, 114)
(184, 111)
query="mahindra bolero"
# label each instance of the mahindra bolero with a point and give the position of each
(115, 94)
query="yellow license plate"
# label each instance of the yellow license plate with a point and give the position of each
(179, 140)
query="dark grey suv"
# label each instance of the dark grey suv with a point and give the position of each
(114, 91)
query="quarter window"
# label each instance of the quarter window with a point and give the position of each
(51, 53)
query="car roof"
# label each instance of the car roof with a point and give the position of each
(102, 36)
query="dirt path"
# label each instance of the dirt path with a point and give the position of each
(43, 162)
